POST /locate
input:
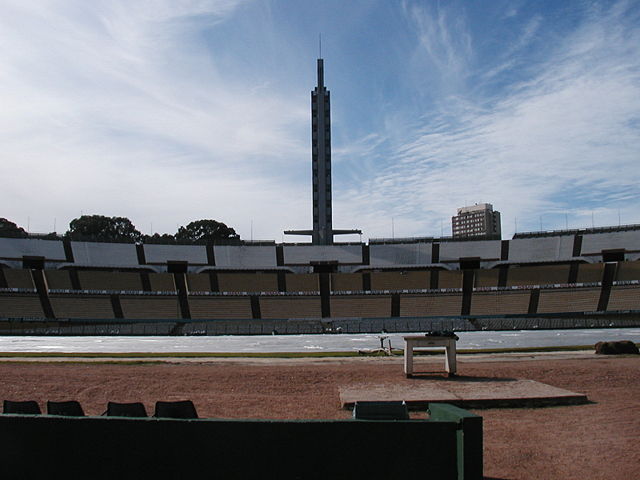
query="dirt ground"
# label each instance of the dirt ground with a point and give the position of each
(594, 441)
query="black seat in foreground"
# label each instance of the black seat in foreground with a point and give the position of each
(179, 409)
(135, 409)
(27, 407)
(380, 411)
(71, 408)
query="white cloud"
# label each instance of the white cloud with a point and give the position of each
(120, 108)
(564, 140)
(444, 44)
(148, 110)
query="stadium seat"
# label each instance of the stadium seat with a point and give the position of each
(381, 411)
(27, 407)
(135, 409)
(179, 409)
(70, 408)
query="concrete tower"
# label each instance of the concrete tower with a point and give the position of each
(321, 161)
(322, 232)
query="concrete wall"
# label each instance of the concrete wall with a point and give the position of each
(120, 255)
(245, 257)
(594, 243)
(546, 249)
(194, 254)
(18, 247)
(98, 254)
(236, 320)
(400, 254)
(303, 254)
(453, 251)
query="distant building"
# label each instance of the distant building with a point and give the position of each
(478, 221)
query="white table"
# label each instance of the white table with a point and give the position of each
(449, 343)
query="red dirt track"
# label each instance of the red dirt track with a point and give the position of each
(595, 441)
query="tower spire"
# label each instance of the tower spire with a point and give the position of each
(321, 78)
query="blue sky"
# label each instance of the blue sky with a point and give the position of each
(169, 111)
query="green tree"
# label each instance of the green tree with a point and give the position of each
(10, 229)
(202, 231)
(156, 238)
(101, 228)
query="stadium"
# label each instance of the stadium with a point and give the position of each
(252, 409)
(555, 279)
(562, 279)
(572, 279)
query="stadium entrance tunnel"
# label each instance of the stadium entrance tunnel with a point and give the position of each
(616, 255)
(325, 267)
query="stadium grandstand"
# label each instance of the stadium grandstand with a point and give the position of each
(554, 279)
(562, 279)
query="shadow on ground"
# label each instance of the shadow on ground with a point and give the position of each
(458, 378)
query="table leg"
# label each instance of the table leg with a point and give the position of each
(450, 360)
(408, 358)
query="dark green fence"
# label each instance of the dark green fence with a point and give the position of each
(445, 447)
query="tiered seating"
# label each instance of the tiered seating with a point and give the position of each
(20, 305)
(138, 306)
(569, 300)
(214, 306)
(302, 282)
(248, 282)
(58, 280)
(430, 304)
(162, 282)
(590, 272)
(409, 280)
(116, 281)
(81, 306)
(624, 297)
(500, 302)
(346, 282)
(538, 275)
(628, 271)
(18, 278)
(449, 279)
(361, 306)
(290, 307)
(150, 306)
(198, 282)
(486, 278)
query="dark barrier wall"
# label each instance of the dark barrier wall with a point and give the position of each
(102, 447)
(470, 454)
(311, 326)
